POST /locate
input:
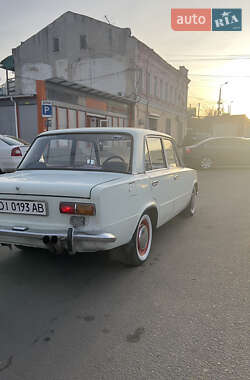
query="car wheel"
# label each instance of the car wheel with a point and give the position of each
(137, 251)
(192, 205)
(206, 162)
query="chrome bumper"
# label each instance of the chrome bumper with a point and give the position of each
(66, 239)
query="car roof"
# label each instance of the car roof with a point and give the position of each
(221, 138)
(132, 131)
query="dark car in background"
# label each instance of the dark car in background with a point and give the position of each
(218, 152)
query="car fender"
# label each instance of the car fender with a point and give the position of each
(143, 209)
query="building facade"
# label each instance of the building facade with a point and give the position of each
(82, 50)
(71, 106)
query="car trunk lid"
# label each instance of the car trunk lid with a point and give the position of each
(61, 183)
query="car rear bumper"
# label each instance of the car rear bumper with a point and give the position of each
(59, 240)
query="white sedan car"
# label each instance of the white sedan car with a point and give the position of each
(12, 151)
(95, 189)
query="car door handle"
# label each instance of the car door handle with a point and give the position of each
(155, 183)
(176, 176)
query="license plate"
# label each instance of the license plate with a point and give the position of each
(11, 206)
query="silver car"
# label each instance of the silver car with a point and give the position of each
(12, 150)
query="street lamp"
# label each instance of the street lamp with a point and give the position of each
(230, 107)
(219, 100)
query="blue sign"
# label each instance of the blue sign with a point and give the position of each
(47, 110)
(225, 19)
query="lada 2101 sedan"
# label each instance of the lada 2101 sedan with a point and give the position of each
(95, 189)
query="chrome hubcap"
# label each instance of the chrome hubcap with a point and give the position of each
(193, 202)
(206, 163)
(143, 237)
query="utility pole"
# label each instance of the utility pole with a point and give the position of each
(199, 107)
(219, 100)
(7, 82)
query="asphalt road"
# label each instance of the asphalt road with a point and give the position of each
(185, 314)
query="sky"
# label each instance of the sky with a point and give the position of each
(212, 58)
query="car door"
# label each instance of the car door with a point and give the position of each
(162, 182)
(238, 151)
(181, 185)
(4, 154)
(220, 151)
(227, 152)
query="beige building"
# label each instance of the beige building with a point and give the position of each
(92, 53)
(161, 94)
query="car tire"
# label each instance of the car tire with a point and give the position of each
(206, 163)
(191, 207)
(137, 251)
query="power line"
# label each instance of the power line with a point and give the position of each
(220, 76)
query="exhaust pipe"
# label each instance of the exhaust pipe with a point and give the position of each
(54, 239)
(56, 246)
(46, 240)
(51, 244)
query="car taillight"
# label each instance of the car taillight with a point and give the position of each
(77, 208)
(188, 150)
(67, 208)
(16, 152)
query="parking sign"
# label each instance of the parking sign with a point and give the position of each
(46, 109)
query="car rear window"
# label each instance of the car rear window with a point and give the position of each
(81, 151)
(13, 140)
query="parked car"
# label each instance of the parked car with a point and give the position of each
(217, 152)
(12, 150)
(70, 195)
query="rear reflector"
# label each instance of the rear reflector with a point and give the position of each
(77, 208)
(16, 152)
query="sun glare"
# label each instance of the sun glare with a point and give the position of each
(234, 94)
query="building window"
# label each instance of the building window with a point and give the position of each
(160, 89)
(166, 91)
(174, 95)
(153, 124)
(141, 84)
(156, 87)
(168, 126)
(55, 44)
(148, 84)
(139, 77)
(171, 94)
(83, 42)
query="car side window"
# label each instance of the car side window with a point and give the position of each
(172, 159)
(154, 156)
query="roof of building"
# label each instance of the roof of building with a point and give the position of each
(162, 60)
